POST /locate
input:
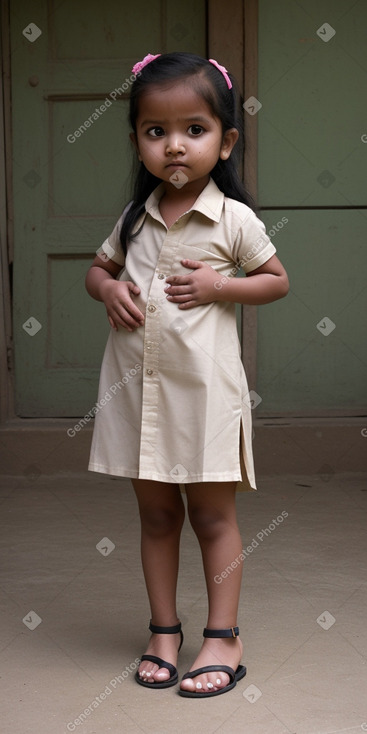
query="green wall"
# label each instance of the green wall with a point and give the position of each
(312, 180)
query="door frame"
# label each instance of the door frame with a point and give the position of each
(232, 39)
(6, 228)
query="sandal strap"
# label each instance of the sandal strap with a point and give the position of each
(230, 632)
(157, 630)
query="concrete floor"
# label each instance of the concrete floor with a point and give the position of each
(302, 614)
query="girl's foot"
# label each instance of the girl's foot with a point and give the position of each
(217, 651)
(162, 646)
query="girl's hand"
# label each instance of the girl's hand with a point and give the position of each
(121, 309)
(195, 288)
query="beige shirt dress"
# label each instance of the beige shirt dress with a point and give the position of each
(173, 403)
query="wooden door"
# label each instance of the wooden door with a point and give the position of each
(312, 158)
(71, 72)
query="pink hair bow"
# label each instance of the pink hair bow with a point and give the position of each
(140, 64)
(223, 70)
(137, 68)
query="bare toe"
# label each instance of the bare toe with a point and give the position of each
(161, 675)
(215, 651)
(147, 671)
(206, 683)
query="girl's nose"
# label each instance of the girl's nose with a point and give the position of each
(174, 145)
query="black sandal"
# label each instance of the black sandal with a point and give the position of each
(234, 676)
(173, 679)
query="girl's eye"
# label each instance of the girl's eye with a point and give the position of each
(196, 130)
(156, 132)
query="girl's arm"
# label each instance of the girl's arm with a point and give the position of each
(265, 284)
(102, 285)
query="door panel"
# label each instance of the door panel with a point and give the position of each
(309, 364)
(82, 175)
(71, 168)
(312, 158)
(313, 103)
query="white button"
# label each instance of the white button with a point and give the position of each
(152, 309)
(149, 372)
(160, 276)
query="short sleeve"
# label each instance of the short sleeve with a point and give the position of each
(252, 246)
(111, 248)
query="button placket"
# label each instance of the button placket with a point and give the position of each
(151, 339)
(156, 302)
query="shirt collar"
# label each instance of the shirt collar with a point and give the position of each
(209, 202)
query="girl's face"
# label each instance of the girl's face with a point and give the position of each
(178, 138)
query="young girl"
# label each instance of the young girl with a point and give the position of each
(175, 407)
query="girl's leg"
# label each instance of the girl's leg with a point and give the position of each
(212, 512)
(162, 513)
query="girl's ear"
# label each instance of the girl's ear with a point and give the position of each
(135, 144)
(230, 138)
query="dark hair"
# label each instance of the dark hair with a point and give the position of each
(225, 104)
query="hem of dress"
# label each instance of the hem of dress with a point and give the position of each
(193, 478)
(116, 472)
(155, 477)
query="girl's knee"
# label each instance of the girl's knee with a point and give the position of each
(207, 522)
(161, 521)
